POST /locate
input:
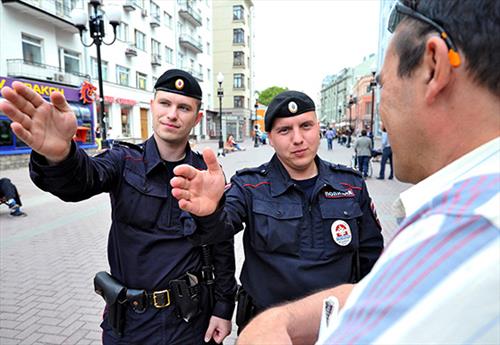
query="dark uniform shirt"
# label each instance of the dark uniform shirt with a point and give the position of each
(148, 244)
(289, 241)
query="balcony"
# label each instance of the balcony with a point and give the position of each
(131, 5)
(55, 13)
(154, 20)
(190, 14)
(131, 50)
(238, 64)
(195, 73)
(156, 59)
(20, 68)
(191, 43)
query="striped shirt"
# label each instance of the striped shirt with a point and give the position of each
(438, 281)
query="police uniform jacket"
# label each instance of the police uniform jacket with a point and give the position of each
(291, 244)
(148, 244)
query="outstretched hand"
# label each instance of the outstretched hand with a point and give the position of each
(47, 128)
(199, 191)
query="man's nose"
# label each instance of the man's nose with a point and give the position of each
(172, 113)
(297, 136)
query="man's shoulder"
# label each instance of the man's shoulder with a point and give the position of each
(124, 144)
(343, 169)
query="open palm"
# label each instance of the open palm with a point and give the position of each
(47, 128)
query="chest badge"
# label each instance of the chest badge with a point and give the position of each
(341, 233)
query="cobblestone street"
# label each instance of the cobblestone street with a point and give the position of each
(48, 259)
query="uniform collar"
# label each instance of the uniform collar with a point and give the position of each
(281, 180)
(152, 156)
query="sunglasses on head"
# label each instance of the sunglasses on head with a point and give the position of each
(399, 11)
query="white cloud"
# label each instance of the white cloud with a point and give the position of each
(298, 43)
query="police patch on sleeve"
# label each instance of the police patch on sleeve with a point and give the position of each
(341, 233)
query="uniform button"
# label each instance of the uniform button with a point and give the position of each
(278, 213)
(262, 171)
(346, 213)
(135, 303)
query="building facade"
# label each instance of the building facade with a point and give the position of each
(40, 45)
(233, 57)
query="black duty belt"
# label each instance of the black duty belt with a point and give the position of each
(179, 289)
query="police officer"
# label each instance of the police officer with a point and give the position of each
(158, 291)
(309, 224)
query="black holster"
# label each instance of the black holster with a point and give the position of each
(114, 293)
(186, 296)
(245, 310)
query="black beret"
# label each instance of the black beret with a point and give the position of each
(286, 104)
(180, 82)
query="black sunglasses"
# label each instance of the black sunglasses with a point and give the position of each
(399, 11)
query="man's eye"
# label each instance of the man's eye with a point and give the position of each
(283, 131)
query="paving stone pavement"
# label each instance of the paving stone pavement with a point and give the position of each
(48, 259)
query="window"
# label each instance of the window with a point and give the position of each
(140, 39)
(155, 47)
(208, 47)
(208, 23)
(209, 75)
(167, 19)
(238, 101)
(71, 61)
(32, 49)
(122, 74)
(238, 36)
(238, 58)
(238, 81)
(238, 12)
(104, 69)
(155, 11)
(122, 32)
(169, 55)
(141, 80)
(154, 80)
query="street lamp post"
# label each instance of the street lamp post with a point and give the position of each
(351, 102)
(373, 84)
(220, 94)
(96, 26)
(254, 123)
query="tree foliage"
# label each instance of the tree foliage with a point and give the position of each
(268, 94)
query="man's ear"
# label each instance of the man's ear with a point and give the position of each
(437, 67)
(198, 117)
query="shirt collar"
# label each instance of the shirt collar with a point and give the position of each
(281, 180)
(476, 162)
(152, 156)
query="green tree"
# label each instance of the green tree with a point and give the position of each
(268, 94)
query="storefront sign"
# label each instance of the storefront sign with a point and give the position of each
(126, 101)
(44, 89)
(87, 92)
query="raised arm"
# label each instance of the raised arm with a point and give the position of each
(47, 128)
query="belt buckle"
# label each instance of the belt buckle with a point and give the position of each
(155, 299)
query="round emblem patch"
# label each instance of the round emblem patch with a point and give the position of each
(292, 106)
(179, 84)
(341, 233)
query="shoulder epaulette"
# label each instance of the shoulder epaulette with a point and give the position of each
(136, 147)
(345, 168)
(261, 170)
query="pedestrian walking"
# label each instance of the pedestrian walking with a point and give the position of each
(162, 288)
(363, 149)
(386, 155)
(330, 135)
(437, 281)
(308, 224)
